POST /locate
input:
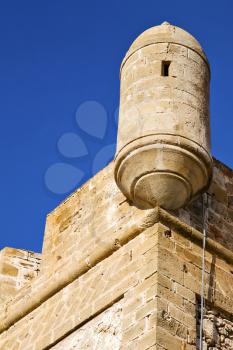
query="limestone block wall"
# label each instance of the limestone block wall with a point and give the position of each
(128, 276)
(155, 279)
(100, 253)
(17, 268)
(179, 268)
(98, 213)
(102, 332)
(220, 208)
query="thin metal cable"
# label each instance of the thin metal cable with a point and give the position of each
(205, 213)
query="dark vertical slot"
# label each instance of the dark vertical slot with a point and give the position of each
(165, 68)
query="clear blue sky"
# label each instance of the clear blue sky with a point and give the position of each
(57, 55)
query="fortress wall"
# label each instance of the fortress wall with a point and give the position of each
(154, 281)
(17, 268)
(98, 211)
(220, 207)
(102, 332)
(131, 267)
(100, 250)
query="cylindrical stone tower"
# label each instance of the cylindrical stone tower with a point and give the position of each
(163, 148)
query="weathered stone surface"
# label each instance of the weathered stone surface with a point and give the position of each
(219, 212)
(114, 276)
(164, 263)
(163, 152)
(17, 268)
(101, 333)
(217, 329)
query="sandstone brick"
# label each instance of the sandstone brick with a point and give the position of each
(173, 268)
(145, 246)
(148, 270)
(182, 316)
(169, 295)
(143, 286)
(171, 325)
(134, 331)
(165, 339)
(186, 293)
(219, 192)
(147, 340)
(128, 320)
(189, 307)
(133, 304)
(181, 240)
(165, 281)
(146, 310)
(9, 270)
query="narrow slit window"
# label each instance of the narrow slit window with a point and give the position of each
(165, 68)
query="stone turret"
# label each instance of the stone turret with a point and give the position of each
(163, 149)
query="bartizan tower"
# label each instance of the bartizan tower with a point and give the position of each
(163, 148)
